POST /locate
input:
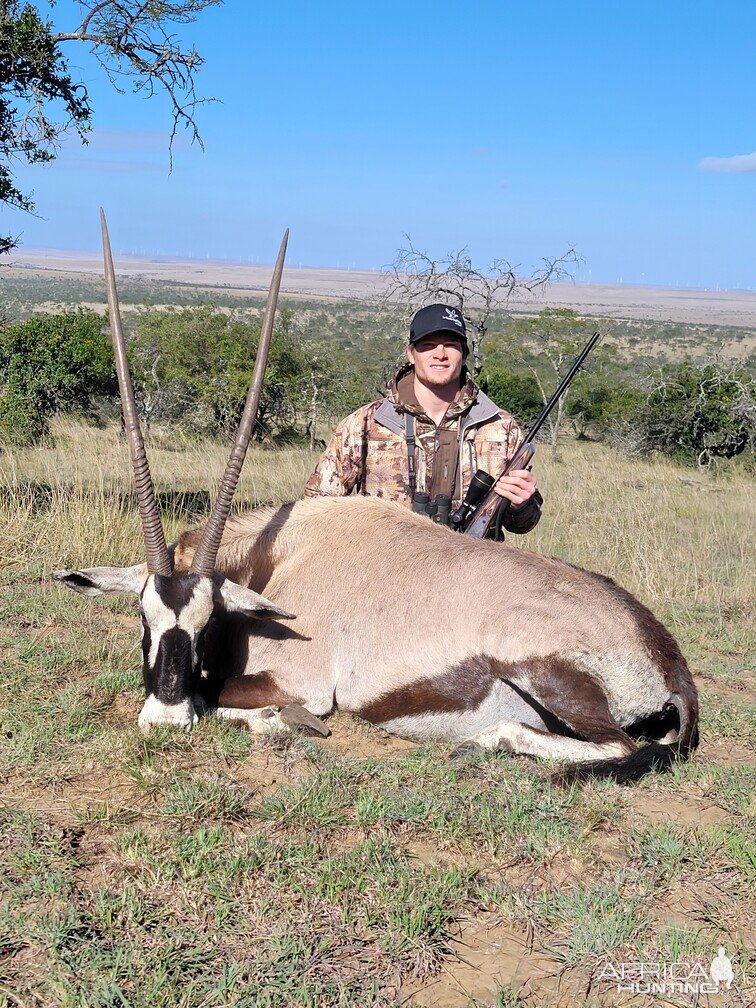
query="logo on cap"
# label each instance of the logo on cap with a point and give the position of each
(450, 315)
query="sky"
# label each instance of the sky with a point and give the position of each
(624, 130)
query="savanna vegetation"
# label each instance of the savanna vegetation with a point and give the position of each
(220, 869)
(190, 367)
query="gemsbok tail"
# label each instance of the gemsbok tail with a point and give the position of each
(654, 756)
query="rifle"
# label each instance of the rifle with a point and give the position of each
(478, 511)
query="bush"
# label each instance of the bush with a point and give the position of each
(48, 364)
(600, 404)
(699, 412)
(194, 365)
(517, 393)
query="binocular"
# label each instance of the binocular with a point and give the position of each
(439, 509)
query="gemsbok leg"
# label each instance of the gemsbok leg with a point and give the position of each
(257, 702)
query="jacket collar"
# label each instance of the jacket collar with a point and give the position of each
(476, 409)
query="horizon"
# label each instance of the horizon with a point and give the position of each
(169, 258)
(240, 279)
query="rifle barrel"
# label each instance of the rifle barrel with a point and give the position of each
(531, 435)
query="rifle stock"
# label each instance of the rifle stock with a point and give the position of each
(485, 515)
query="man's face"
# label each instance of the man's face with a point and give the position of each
(438, 360)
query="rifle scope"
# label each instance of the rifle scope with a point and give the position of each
(480, 485)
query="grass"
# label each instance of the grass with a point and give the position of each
(73, 503)
(218, 869)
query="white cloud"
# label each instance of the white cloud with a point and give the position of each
(739, 163)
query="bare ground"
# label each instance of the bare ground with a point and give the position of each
(625, 301)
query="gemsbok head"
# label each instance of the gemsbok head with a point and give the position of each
(176, 606)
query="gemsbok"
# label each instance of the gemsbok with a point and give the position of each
(427, 633)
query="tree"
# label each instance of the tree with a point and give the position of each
(47, 364)
(40, 101)
(192, 365)
(518, 392)
(414, 279)
(556, 335)
(602, 404)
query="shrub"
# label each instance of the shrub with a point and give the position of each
(517, 393)
(50, 363)
(699, 412)
(194, 365)
(600, 404)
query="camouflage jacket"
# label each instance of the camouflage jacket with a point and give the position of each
(368, 450)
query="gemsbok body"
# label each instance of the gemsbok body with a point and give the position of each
(427, 633)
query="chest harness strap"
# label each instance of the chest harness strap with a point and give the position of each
(409, 435)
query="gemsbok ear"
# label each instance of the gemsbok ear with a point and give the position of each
(104, 580)
(236, 599)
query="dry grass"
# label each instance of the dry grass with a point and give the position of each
(204, 870)
(72, 503)
(667, 534)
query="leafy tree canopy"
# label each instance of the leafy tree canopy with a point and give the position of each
(517, 393)
(39, 99)
(47, 364)
(194, 365)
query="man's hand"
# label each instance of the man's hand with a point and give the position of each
(517, 487)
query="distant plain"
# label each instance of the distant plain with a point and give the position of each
(626, 301)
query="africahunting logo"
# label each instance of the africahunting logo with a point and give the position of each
(683, 977)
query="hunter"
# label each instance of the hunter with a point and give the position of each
(431, 433)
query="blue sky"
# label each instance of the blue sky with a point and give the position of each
(625, 130)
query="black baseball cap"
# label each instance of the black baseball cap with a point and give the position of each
(438, 318)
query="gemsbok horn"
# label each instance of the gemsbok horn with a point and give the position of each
(176, 606)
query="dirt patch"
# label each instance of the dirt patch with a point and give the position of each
(744, 685)
(490, 953)
(123, 710)
(675, 809)
(262, 772)
(92, 790)
(727, 752)
(695, 903)
(350, 736)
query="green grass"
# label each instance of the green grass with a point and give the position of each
(218, 868)
(592, 920)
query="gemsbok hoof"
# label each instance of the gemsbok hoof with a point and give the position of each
(297, 716)
(466, 751)
(261, 721)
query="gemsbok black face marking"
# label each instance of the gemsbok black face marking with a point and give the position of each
(519, 652)
(175, 611)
